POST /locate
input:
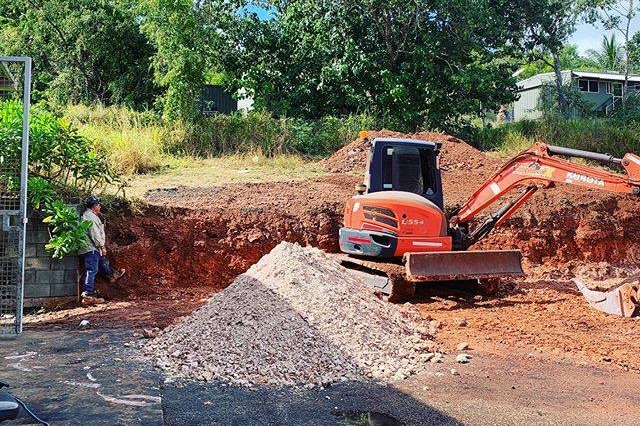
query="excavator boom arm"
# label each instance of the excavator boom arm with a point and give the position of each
(538, 168)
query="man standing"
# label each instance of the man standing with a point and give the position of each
(94, 254)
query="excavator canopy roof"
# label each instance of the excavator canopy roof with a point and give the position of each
(409, 141)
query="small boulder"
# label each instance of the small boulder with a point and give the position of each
(463, 358)
(462, 346)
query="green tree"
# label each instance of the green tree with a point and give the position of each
(569, 58)
(633, 49)
(83, 50)
(617, 15)
(610, 55)
(550, 23)
(417, 64)
(188, 37)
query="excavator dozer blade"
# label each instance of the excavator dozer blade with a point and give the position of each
(621, 300)
(461, 265)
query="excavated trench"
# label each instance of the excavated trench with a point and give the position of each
(177, 247)
(205, 237)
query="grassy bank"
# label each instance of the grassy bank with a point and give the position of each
(138, 142)
(597, 134)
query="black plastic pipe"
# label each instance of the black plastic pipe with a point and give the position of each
(578, 153)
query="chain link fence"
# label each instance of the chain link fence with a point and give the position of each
(15, 84)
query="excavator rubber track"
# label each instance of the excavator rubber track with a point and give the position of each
(397, 279)
(387, 277)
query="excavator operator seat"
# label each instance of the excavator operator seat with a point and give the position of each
(406, 170)
(406, 165)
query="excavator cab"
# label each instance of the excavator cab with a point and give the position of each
(405, 165)
(399, 208)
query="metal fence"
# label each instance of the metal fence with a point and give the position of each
(15, 83)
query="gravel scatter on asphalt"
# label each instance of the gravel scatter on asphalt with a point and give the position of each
(294, 318)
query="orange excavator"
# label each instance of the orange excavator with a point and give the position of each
(395, 227)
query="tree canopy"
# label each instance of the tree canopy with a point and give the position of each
(83, 50)
(415, 64)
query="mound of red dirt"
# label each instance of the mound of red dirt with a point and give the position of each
(456, 153)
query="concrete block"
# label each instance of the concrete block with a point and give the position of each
(68, 263)
(71, 263)
(29, 277)
(42, 236)
(36, 290)
(37, 263)
(30, 250)
(49, 277)
(71, 277)
(64, 290)
(41, 251)
(49, 302)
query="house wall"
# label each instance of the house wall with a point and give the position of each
(526, 108)
(597, 99)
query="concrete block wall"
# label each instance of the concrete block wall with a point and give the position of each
(47, 281)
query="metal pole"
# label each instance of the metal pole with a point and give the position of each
(26, 103)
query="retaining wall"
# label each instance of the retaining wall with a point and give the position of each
(47, 281)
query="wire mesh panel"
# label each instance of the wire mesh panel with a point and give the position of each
(15, 81)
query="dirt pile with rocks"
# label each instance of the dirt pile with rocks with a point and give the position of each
(455, 153)
(294, 318)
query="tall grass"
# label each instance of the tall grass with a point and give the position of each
(133, 142)
(596, 134)
(259, 131)
(136, 142)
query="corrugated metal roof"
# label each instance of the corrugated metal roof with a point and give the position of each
(539, 79)
(609, 76)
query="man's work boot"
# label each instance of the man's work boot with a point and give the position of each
(116, 275)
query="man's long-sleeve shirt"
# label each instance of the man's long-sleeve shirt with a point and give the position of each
(96, 238)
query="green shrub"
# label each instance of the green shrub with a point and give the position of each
(61, 163)
(136, 142)
(68, 230)
(130, 141)
(259, 131)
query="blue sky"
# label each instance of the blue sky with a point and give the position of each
(590, 37)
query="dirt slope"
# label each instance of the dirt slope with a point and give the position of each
(456, 154)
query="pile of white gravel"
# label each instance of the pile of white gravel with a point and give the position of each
(294, 318)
